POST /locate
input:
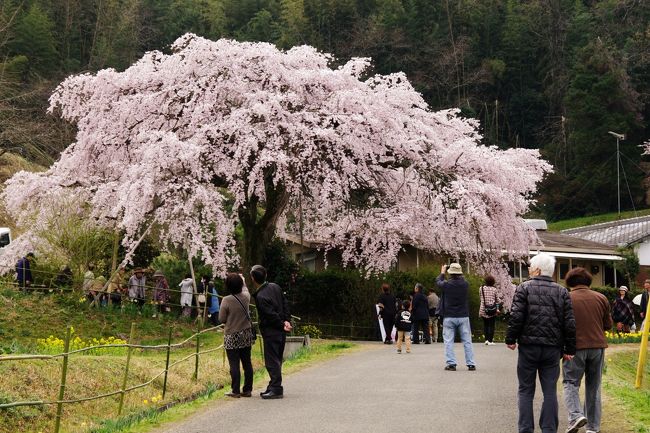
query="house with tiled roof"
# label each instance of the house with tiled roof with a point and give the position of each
(631, 232)
(569, 252)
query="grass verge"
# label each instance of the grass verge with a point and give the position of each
(630, 406)
(152, 419)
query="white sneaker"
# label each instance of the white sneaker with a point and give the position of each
(487, 343)
(576, 424)
(491, 343)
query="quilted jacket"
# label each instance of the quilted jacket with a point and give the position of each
(542, 314)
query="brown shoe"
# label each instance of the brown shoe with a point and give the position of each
(246, 394)
(233, 394)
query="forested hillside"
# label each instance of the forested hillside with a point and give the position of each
(549, 74)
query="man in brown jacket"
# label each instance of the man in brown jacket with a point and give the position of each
(591, 310)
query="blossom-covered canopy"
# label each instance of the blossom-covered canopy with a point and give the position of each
(220, 132)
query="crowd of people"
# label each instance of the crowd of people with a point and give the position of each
(548, 324)
(274, 318)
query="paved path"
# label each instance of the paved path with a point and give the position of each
(376, 390)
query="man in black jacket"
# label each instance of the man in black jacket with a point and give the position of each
(542, 322)
(274, 321)
(420, 315)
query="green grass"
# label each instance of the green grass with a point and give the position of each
(618, 384)
(24, 318)
(594, 219)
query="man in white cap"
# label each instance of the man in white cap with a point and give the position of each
(454, 309)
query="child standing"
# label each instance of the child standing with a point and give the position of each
(403, 325)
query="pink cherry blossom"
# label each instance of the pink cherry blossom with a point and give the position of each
(221, 131)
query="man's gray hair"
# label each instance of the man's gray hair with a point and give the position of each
(545, 263)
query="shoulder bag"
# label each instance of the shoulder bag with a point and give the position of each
(248, 316)
(491, 309)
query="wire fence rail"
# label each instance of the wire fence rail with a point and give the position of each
(130, 346)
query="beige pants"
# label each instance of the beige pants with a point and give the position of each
(433, 328)
(406, 337)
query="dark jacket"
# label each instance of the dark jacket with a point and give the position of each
(272, 309)
(623, 311)
(23, 271)
(403, 320)
(542, 314)
(419, 307)
(454, 296)
(388, 301)
(644, 301)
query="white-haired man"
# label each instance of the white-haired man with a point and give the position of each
(543, 324)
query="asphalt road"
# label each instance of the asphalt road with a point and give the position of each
(376, 390)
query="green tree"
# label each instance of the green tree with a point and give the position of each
(34, 38)
(262, 27)
(599, 99)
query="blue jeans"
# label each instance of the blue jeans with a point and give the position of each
(449, 327)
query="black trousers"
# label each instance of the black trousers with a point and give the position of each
(488, 328)
(235, 356)
(389, 322)
(273, 350)
(424, 324)
(543, 361)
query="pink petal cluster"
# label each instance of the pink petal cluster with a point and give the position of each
(184, 140)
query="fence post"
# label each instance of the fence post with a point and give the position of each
(196, 360)
(64, 373)
(126, 369)
(169, 347)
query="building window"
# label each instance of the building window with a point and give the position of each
(564, 268)
(307, 260)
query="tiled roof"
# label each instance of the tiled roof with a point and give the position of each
(616, 233)
(562, 242)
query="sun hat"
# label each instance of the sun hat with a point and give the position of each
(158, 273)
(623, 288)
(455, 269)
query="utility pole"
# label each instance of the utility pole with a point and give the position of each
(618, 168)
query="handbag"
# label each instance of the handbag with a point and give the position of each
(491, 309)
(248, 316)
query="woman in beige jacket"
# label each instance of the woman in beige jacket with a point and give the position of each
(238, 334)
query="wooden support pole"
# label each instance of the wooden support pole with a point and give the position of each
(64, 374)
(196, 359)
(169, 348)
(126, 368)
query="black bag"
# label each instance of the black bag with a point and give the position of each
(253, 330)
(491, 309)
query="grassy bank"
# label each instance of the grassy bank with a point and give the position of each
(630, 407)
(24, 318)
(595, 219)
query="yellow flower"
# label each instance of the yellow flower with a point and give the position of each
(145, 401)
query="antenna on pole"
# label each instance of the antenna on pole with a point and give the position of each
(618, 168)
